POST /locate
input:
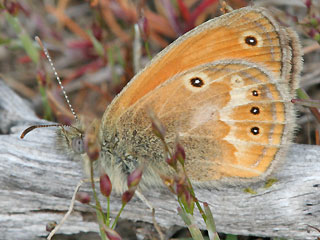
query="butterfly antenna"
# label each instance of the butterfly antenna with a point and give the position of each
(29, 129)
(45, 50)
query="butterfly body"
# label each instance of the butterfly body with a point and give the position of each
(224, 89)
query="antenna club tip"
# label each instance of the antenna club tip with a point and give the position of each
(39, 41)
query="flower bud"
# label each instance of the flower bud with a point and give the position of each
(308, 3)
(180, 154)
(172, 161)
(41, 78)
(126, 196)
(168, 181)
(105, 185)
(157, 127)
(144, 28)
(134, 178)
(187, 200)
(12, 7)
(91, 143)
(111, 234)
(83, 197)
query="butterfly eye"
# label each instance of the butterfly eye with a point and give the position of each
(255, 93)
(196, 82)
(255, 130)
(255, 110)
(77, 145)
(251, 40)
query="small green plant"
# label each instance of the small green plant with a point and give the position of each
(181, 186)
(106, 227)
(25, 42)
(311, 23)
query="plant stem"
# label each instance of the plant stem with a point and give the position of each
(117, 217)
(108, 211)
(95, 193)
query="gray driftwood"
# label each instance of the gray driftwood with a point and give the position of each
(37, 182)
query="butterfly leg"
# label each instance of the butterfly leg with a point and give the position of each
(149, 205)
(58, 226)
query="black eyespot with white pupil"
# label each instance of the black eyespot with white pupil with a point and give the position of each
(255, 110)
(255, 130)
(196, 82)
(255, 93)
(251, 40)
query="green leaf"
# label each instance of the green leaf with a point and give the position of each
(231, 237)
(250, 190)
(211, 226)
(4, 41)
(96, 44)
(29, 47)
(190, 222)
(270, 182)
(25, 39)
(14, 22)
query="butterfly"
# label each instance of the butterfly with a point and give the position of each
(224, 88)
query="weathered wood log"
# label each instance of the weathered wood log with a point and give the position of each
(37, 182)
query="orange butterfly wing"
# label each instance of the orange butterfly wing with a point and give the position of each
(220, 38)
(227, 137)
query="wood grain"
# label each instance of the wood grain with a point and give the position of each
(37, 181)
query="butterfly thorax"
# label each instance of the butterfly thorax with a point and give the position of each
(123, 151)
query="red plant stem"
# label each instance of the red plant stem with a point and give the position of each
(202, 6)
(184, 10)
